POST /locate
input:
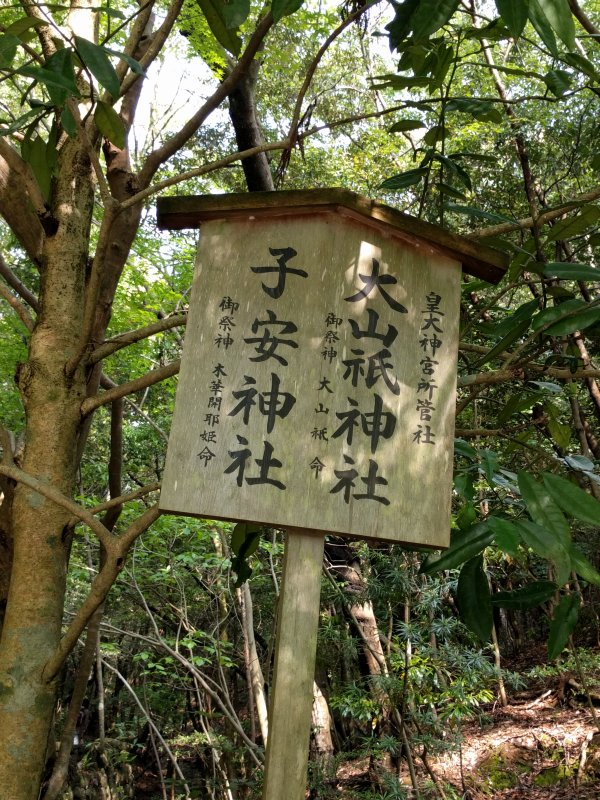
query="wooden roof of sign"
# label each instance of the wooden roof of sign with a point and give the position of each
(176, 213)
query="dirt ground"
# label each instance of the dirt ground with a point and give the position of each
(535, 749)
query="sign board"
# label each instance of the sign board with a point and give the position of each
(317, 385)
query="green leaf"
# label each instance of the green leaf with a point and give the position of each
(406, 125)
(37, 158)
(19, 123)
(566, 317)
(588, 316)
(543, 509)
(214, 14)
(464, 545)
(543, 27)
(477, 212)
(506, 535)
(583, 568)
(563, 622)
(573, 500)
(23, 25)
(514, 15)
(560, 432)
(430, 16)
(67, 120)
(528, 597)
(461, 448)
(582, 64)
(61, 63)
(283, 8)
(517, 331)
(404, 179)
(558, 81)
(8, 49)
(110, 124)
(573, 226)
(558, 14)
(99, 64)
(482, 110)
(235, 12)
(518, 402)
(400, 26)
(131, 62)
(547, 546)
(474, 602)
(571, 271)
(51, 80)
(238, 536)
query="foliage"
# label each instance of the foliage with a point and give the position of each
(484, 119)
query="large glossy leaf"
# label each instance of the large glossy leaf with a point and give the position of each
(474, 602)
(547, 546)
(514, 14)
(61, 63)
(518, 329)
(131, 62)
(506, 535)
(543, 509)
(571, 272)
(573, 226)
(573, 500)
(37, 158)
(406, 125)
(482, 110)
(566, 317)
(8, 49)
(430, 15)
(23, 26)
(215, 17)
(543, 27)
(99, 64)
(400, 26)
(404, 179)
(563, 622)
(464, 545)
(558, 81)
(283, 8)
(583, 319)
(110, 124)
(558, 14)
(528, 597)
(51, 79)
(583, 568)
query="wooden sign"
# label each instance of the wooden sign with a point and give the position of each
(317, 385)
(316, 394)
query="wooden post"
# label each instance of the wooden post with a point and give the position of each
(292, 693)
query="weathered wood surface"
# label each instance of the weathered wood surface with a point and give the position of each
(385, 470)
(292, 694)
(479, 260)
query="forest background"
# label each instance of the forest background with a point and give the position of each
(484, 119)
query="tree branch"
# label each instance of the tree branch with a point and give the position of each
(19, 287)
(203, 170)
(546, 216)
(18, 193)
(16, 474)
(149, 379)
(176, 142)
(130, 337)
(17, 306)
(115, 560)
(125, 498)
(293, 130)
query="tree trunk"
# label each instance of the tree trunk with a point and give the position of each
(242, 112)
(52, 399)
